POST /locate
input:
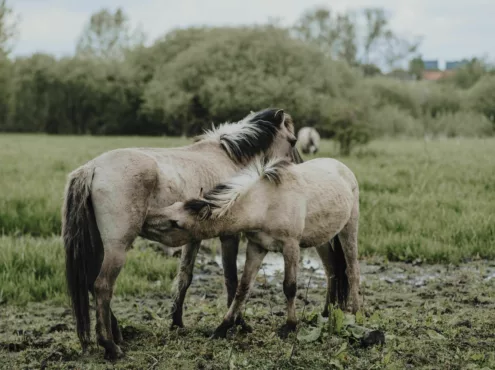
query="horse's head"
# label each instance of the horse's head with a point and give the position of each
(269, 132)
(183, 217)
(284, 142)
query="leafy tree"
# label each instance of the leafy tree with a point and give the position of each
(370, 70)
(238, 70)
(376, 23)
(338, 35)
(8, 27)
(347, 118)
(481, 97)
(108, 35)
(318, 26)
(470, 73)
(397, 49)
(416, 67)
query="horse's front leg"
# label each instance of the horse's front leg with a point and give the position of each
(184, 278)
(230, 249)
(291, 259)
(254, 258)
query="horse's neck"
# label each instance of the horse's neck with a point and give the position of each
(212, 146)
(205, 145)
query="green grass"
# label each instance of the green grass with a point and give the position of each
(429, 200)
(447, 323)
(31, 270)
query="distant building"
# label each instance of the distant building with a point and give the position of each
(433, 73)
(455, 64)
(431, 65)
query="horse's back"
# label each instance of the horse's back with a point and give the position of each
(330, 190)
(327, 169)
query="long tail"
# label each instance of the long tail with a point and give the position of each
(340, 280)
(83, 247)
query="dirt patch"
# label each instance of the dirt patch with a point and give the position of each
(414, 316)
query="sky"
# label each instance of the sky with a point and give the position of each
(451, 29)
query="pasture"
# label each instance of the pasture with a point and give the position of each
(427, 234)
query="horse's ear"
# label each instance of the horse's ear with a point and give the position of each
(204, 212)
(279, 117)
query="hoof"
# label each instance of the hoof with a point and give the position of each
(285, 330)
(113, 354)
(176, 325)
(245, 328)
(118, 339)
(221, 331)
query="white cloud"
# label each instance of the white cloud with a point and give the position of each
(451, 29)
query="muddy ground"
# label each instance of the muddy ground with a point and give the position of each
(432, 317)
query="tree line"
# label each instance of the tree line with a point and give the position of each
(326, 70)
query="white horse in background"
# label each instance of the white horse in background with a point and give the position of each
(108, 200)
(281, 207)
(309, 140)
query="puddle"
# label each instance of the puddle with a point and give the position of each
(273, 263)
(398, 273)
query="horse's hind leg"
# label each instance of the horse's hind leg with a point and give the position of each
(184, 278)
(327, 255)
(348, 237)
(116, 332)
(105, 320)
(120, 206)
(230, 249)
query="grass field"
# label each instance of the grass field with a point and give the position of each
(428, 200)
(422, 204)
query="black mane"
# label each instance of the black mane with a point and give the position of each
(257, 137)
(203, 207)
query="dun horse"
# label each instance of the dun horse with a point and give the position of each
(107, 203)
(282, 207)
(309, 140)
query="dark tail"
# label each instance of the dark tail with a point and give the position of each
(83, 247)
(340, 282)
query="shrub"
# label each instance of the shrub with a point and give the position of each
(460, 124)
(392, 121)
(440, 99)
(481, 97)
(406, 95)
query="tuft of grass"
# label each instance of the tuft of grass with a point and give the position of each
(32, 270)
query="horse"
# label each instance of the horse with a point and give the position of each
(282, 207)
(309, 140)
(107, 202)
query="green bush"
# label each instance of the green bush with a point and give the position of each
(392, 121)
(406, 95)
(460, 124)
(440, 99)
(481, 97)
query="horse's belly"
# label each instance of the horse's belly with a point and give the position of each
(321, 229)
(267, 241)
